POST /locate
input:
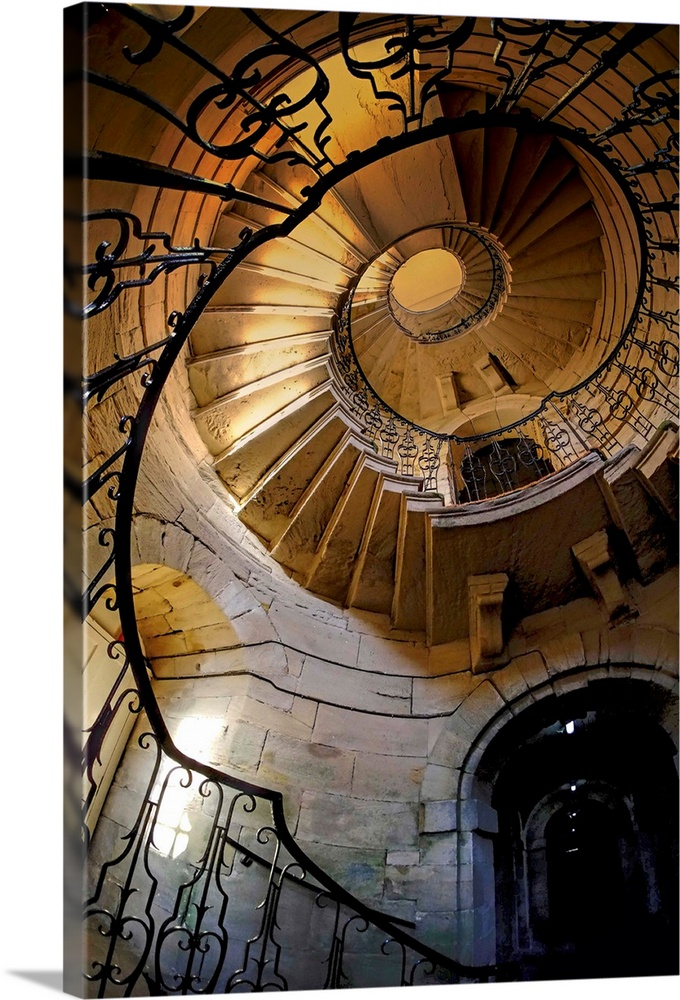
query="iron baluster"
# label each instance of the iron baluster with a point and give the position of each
(389, 435)
(97, 732)
(119, 927)
(360, 925)
(646, 108)
(360, 402)
(235, 90)
(591, 422)
(608, 60)
(668, 284)
(104, 472)
(196, 940)
(650, 387)
(530, 455)
(669, 206)
(428, 969)
(667, 317)
(97, 384)
(401, 951)
(259, 947)
(520, 32)
(373, 422)
(473, 473)
(557, 441)
(116, 923)
(503, 467)
(622, 407)
(429, 462)
(663, 246)
(664, 353)
(418, 36)
(540, 59)
(93, 593)
(407, 451)
(664, 158)
(334, 976)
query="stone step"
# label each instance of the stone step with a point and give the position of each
(537, 190)
(261, 457)
(467, 148)
(556, 288)
(224, 375)
(223, 328)
(288, 376)
(574, 230)
(499, 145)
(266, 507)
(538, 348)
(526, 168)
(336, 225)
(330, 572)
(237, 423)
(409, 604)
(372, 583)
(296, 544)
(277, 253)
(377, 366)
(250, 286)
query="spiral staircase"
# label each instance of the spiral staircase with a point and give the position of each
(404, 289)
(516, 276)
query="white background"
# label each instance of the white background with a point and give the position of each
(31, 352)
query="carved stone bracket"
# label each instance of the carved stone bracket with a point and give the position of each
(485, 600)
(594, 558)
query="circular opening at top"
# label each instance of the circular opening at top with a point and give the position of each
(427, 280)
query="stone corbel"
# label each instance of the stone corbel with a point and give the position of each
(485, 597)
(594, 558)
(494, 375)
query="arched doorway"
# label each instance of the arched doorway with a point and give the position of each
(586, 888)
(586, 855)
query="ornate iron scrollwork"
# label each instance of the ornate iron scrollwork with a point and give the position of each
(268, 125)
(406, 55)
(110, 260)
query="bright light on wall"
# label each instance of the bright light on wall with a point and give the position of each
(195, 737)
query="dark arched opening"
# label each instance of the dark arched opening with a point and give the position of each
(586, 856)
(501, 467)
(585, 841)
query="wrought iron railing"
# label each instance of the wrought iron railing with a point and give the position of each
(209, 893)
(240, 113)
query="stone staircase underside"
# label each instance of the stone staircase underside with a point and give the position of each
(304, 476)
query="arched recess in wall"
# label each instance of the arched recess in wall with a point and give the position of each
(185, 634)
(584, 787)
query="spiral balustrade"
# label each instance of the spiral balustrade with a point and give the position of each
(277, 178)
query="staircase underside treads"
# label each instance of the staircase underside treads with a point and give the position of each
(248, 466)
(230, 420)
(285, 422)
(268, 510)
(375, 588)
(310, 517)
(331, 571)
(224, 375)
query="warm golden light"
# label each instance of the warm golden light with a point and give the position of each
(428, 280)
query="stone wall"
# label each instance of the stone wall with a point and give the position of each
(373, 739)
